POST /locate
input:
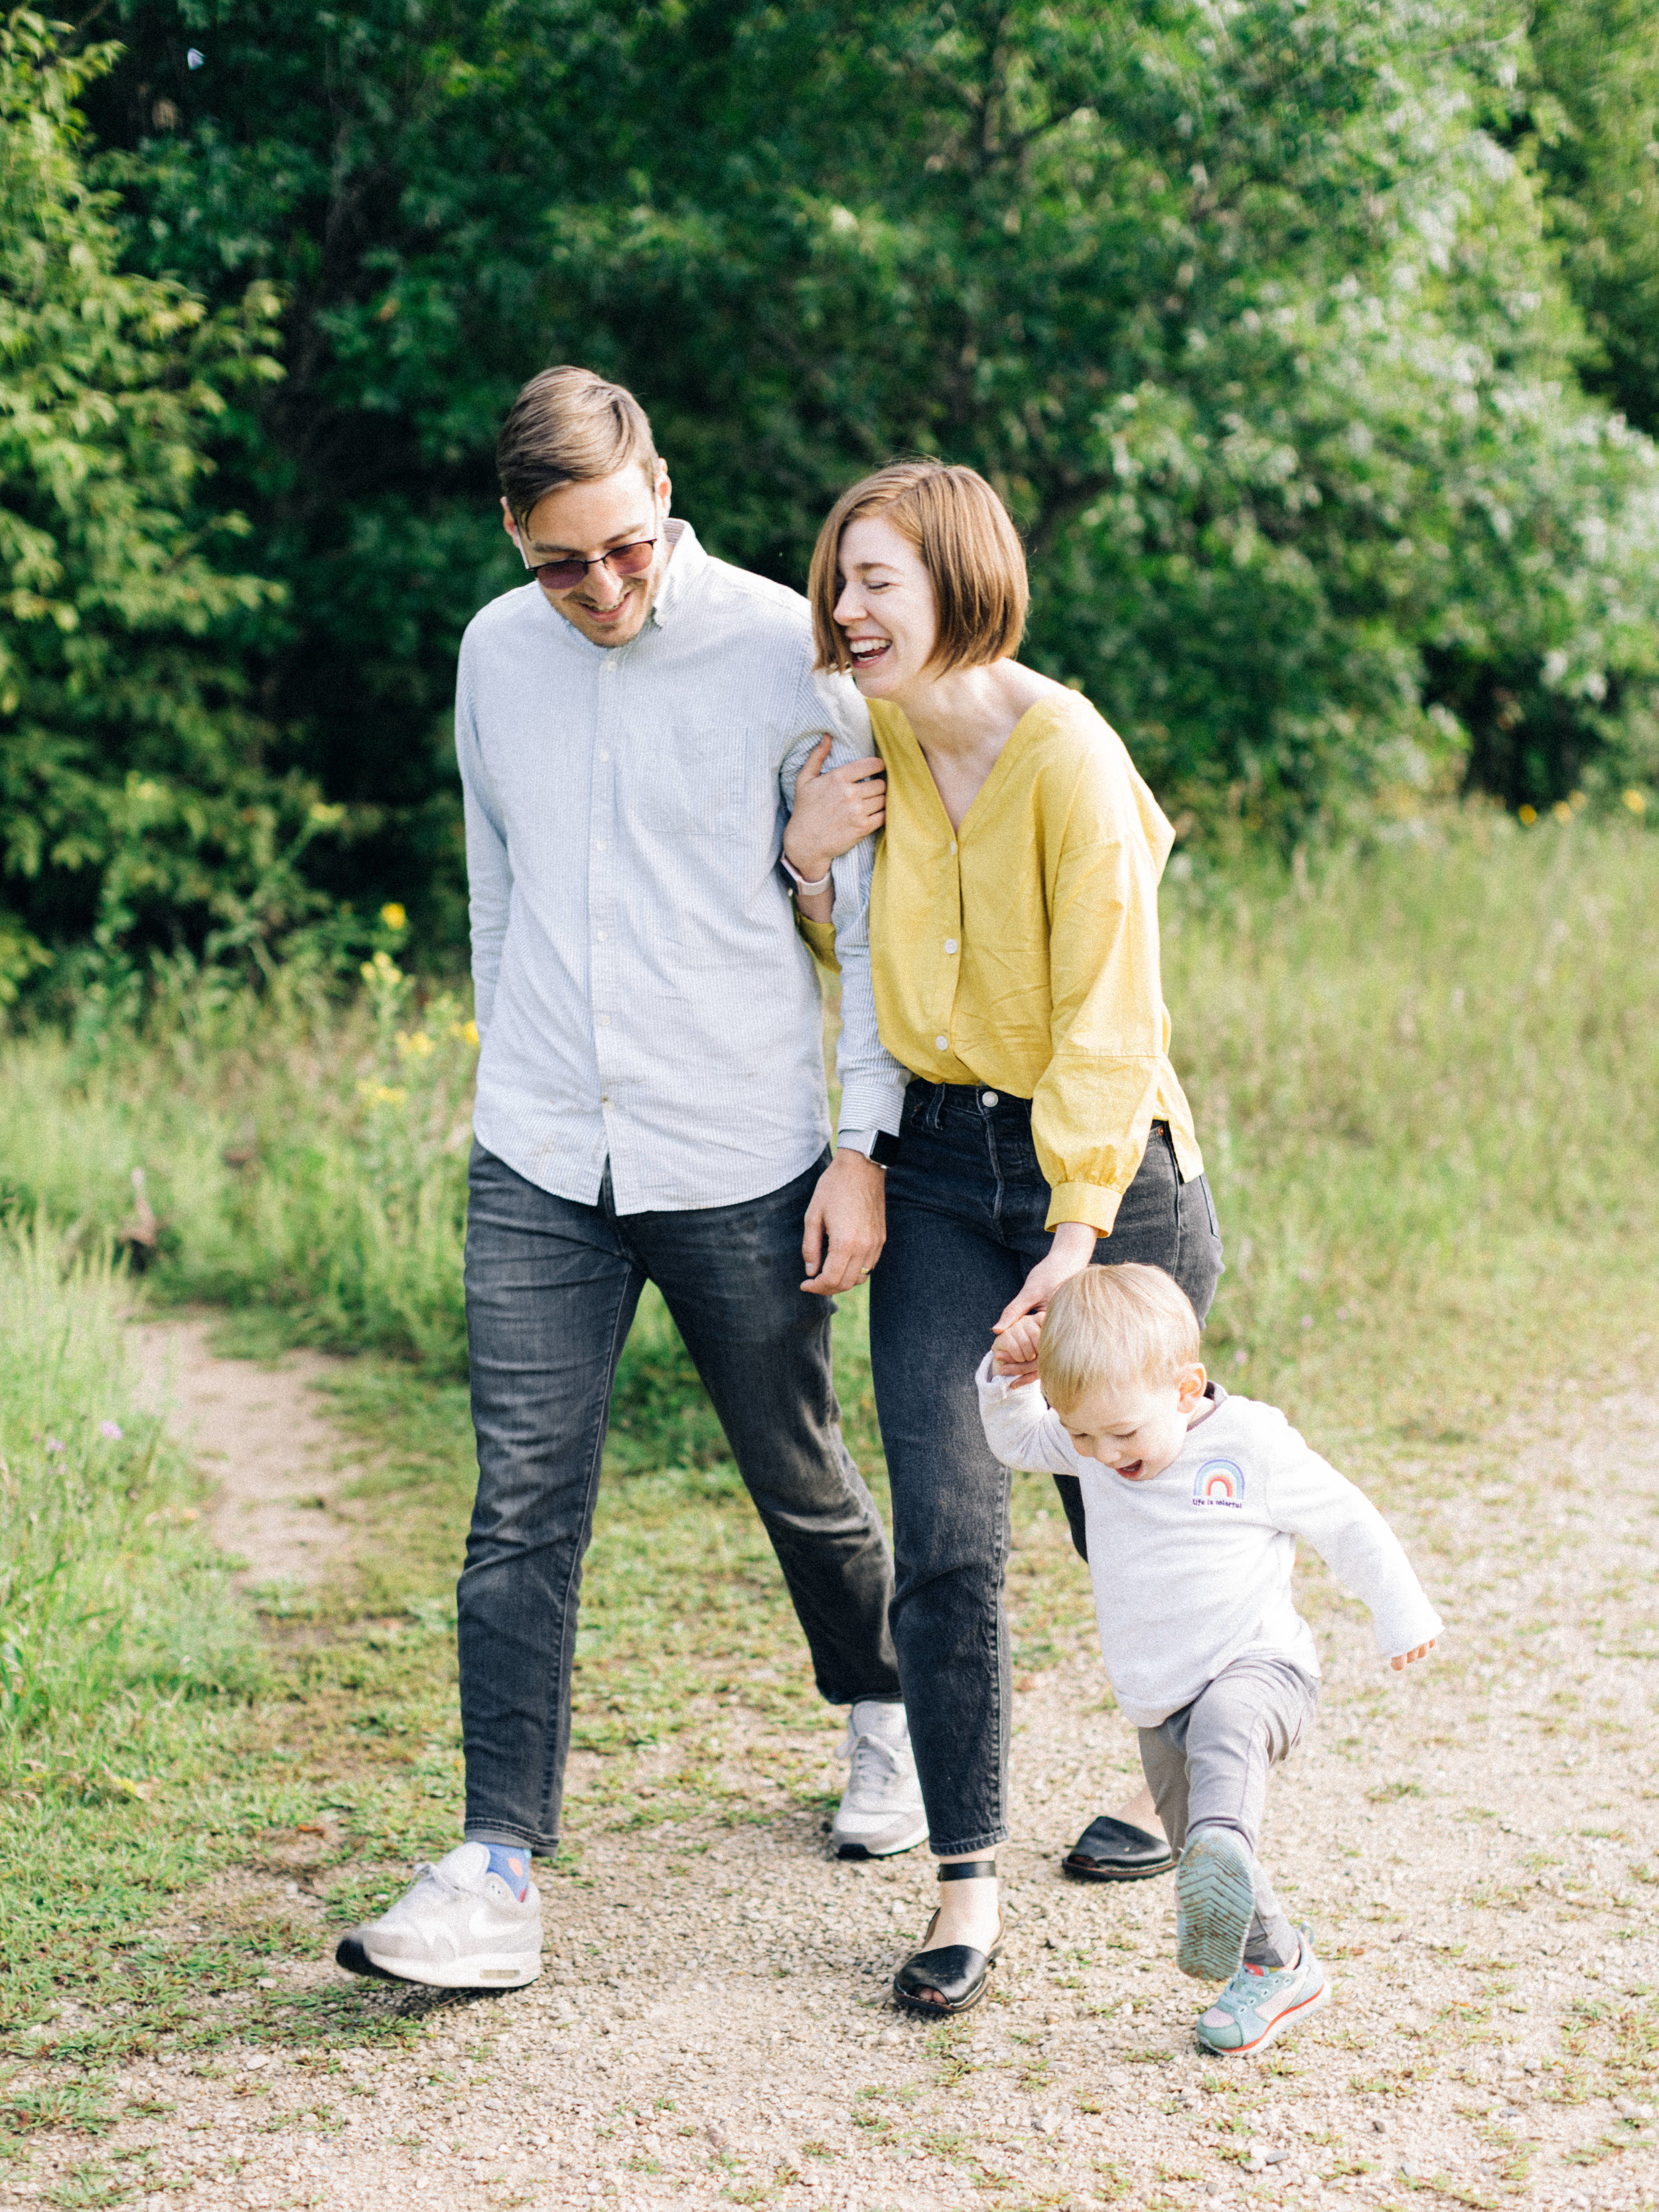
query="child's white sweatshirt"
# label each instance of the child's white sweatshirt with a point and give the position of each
(1191, 1570)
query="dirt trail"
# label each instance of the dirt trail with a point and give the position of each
(263, 1434)
(714, 2028)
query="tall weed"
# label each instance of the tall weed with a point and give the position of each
(300, 1155)
(1420, 1076)
(1427, 1088)
(112, 1600)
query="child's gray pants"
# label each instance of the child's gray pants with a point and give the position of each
(1206, 1766)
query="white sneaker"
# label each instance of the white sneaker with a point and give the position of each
(881, 1809)
(459, 1927)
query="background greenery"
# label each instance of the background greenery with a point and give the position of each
(1312, 345)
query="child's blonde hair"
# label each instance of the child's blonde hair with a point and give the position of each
(1114, 1326)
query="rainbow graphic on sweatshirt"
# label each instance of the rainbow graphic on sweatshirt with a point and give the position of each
(1219, 1482)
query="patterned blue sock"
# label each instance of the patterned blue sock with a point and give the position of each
(512, 1862)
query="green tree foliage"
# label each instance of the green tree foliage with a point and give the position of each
(134, 806)
(1251, 307)
(1594, 112)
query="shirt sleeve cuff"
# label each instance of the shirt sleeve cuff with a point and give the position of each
(867, 1102)
(821, 941)
(1083, 1202)
(992, 1387)
(1395, 1637)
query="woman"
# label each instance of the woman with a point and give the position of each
(1014, 962)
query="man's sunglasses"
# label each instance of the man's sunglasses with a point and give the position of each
(564, 575)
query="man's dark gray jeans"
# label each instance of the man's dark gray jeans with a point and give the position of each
(551, 1287)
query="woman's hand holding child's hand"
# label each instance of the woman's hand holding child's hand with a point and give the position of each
(1014, 1354)
(1017, 1327)
(1403, 1659)
(1019, 1324)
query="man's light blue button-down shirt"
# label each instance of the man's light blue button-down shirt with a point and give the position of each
(641, 992)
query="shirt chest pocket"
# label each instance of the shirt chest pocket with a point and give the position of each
(691, 779)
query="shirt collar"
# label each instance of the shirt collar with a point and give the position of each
(686, 565)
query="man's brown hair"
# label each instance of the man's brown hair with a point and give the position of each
(569, 426)
(967, 544)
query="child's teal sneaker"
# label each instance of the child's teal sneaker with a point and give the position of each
(1260, 2003)
(1215, 1904)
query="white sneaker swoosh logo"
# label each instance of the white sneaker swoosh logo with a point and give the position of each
(485, 1924)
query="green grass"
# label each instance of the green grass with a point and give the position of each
(113, 1609)
(1425, 1083)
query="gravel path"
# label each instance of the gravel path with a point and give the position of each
(1468, 1843)
(263, 1434)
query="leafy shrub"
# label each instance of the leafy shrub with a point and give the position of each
(137, 804)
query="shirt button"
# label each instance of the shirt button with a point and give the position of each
(987, 1097)
(949, 945)
(606, 756)
(599, 934)
(604, 1021)
(943, 1043)
(953, 844)
(599, 844)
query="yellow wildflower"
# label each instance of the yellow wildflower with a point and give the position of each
(1636, 801)
(393, 916)
(1528, 815)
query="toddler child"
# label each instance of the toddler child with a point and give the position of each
(1194, 1500)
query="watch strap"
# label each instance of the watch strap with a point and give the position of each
(799, 881)
(878, 1146)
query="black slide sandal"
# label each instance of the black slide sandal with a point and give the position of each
(956, 1974)
(1113, 1851)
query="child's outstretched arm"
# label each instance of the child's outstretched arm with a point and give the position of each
(1020, 1426)
(1310, 1499)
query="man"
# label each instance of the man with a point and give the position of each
(651, 1106)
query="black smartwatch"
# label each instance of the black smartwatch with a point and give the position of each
(876, 1144)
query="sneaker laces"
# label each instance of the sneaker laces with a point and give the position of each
(867, 1755)
(424, 1872)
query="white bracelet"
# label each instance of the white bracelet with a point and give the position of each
(800, 882)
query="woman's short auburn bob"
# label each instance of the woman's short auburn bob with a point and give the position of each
(967, 544)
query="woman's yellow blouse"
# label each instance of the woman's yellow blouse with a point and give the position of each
(1021, 953)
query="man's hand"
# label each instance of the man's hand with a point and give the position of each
(849, 1209)
(1403, 1659)
(833, 813)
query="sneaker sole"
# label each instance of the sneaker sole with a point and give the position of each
(884, 1848)
(349, 1954)
(1269, 2034)
(489, 1972)
(1215, 1888)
